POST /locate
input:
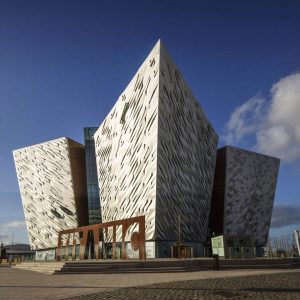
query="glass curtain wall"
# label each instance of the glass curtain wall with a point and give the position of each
(92, 177)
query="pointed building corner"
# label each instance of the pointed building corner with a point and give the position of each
(159, 42)
(161, 48)
(182, 121)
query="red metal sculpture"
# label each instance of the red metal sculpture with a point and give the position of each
(137, 238)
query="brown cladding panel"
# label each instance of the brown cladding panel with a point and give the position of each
(217, 203)
(77, 161)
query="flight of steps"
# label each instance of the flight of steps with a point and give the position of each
(153, 266)
(41, 267)
(94, 267)
(158, 266)
(260, 263)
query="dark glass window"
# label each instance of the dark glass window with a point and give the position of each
(92, 178)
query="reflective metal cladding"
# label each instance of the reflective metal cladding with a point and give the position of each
(243, 194)
(52, 183)
(156, 154)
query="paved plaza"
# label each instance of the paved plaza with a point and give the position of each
(268, 286)
(223, 284)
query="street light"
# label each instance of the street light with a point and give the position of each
(179, 229)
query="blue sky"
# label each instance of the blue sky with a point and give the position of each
(64, 63)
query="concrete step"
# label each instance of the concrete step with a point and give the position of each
(41, 267)
(141, 264)
(259, 261)
(37, 264)
(262, 266)
(133, 265)
(121, 271)
(104, 267)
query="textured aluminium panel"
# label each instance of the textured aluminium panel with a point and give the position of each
(52, 187)
(250, 183)
(156, 153)
(126, 145)
(187, 147)
(250, 189)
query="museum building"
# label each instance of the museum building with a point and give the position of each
(154, 155)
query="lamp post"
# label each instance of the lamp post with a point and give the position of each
(179, 229)
(12, 241)
(179, 235)
(297, 240)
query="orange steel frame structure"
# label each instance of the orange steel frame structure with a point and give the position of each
(137, 238)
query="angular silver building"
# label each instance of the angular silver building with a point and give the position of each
(243, 194)
(52, 183)
(156, 154)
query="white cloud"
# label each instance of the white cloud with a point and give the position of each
(15, 224)
(280, 135)
(244, 120)
(284, 215)
(275, 123)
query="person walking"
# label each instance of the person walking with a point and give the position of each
(1, 252)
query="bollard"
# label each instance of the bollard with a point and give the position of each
(216, 262)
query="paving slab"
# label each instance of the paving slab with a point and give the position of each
(22, 284)
(268, 286)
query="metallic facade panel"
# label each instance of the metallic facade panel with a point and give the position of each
(187, 149)
(248, 182)
(250, 189)
(126, 146)
(51, 178)
(156, 153)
